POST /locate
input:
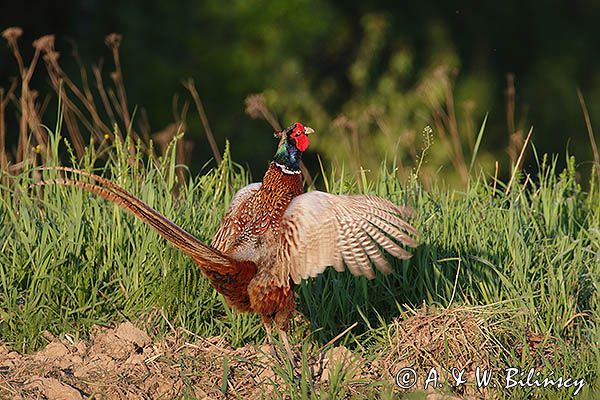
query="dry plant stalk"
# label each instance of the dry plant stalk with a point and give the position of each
(510, 103)
(191, 87)
(80, 113)
(61, 84)
(445, 122)
(588, 124)
(28, 118)
(515, 136)
(4, 98)
(343, 122)
(519, 163)
(184, 149)
(113, 41)
(97, 71)
(256, 106)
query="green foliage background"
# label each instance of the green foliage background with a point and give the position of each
(316, 60)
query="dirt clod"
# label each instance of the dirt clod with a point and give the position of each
(126, 331)
(53, 389)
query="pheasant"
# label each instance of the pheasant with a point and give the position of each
(273, 235)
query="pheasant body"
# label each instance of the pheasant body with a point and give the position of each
(250, 232)
(273, 235)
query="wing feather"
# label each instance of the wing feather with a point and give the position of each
(234, 219)
(375, 255)
(321, 230)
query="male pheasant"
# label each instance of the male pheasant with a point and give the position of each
(273, 235)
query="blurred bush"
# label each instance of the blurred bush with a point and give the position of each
(366, 76)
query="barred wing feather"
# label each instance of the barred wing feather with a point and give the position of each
(232, 222)
(320, 230)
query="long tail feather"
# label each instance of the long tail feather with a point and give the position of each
(203, 254)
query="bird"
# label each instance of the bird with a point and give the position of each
(274, 235)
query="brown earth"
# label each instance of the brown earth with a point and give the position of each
(125, 363)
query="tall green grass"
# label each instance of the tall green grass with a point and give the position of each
(69, 260)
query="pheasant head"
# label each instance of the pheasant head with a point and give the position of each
(293, 141)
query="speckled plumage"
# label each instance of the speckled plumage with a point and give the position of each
(254, 219)
(273, 235)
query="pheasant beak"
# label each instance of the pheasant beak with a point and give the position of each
(308, 130)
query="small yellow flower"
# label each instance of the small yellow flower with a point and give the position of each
(38, 149)
(106, 136)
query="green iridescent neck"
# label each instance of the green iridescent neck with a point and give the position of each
(288, 156)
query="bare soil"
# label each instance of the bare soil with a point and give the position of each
(125, 363)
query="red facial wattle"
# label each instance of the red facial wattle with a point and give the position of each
(302, 142)
(300, 135)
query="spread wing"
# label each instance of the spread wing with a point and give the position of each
(320, 230)
(235, 219)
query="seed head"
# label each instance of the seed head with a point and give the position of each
(12, 34)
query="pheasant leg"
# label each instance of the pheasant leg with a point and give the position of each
(270, 340)
(269, 330)
(288, 348)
